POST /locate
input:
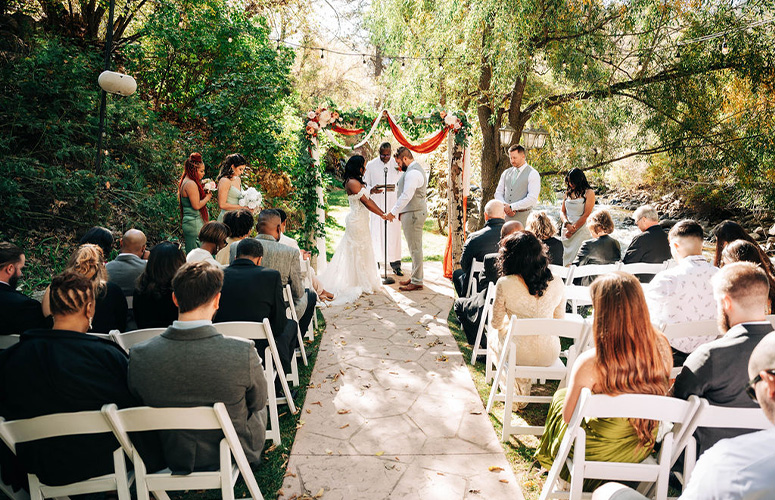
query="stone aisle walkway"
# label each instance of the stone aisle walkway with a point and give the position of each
(392, 411)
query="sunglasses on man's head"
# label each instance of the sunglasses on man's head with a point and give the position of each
(751, 387)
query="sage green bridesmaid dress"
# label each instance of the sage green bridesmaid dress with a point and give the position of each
(232, 199)
(192, 224)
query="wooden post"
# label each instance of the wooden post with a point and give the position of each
(455, 209)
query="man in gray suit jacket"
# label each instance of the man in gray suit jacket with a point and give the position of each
(191, 364)
(718, 370)
(285, 260)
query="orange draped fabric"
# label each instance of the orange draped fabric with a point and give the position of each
(449, 264)
(346, 131)
(426, 147)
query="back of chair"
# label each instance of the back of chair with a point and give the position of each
(48, 426)
(594, 270)
(568, 328)
(645, 406)
(288, 298)
(245, 329)
(129, 339)
(477, 271)
(637, 268)
(7, 341)
(562, 272)
(707, 327)
(130, 302)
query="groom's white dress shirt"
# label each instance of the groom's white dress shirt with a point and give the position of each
(533, 189)
(412, 181)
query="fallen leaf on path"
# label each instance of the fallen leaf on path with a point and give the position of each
(475, 492)
(380, 453)
(309, 411)
(393, 373)
(476, 413)
(317, 403)
(329, 452)
(343, 412)
(319, 493)
(345, 426)
(495, 468)
(440, 473)
(300, 424)
(442, 358)
(504, 480)
(342, 372)
(289, 473)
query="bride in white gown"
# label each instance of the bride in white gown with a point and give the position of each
(353, 270)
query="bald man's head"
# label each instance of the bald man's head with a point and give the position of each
(494, 209)
(134, 242)
(511, 227)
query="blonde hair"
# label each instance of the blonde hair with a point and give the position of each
(631, 355)
(88, 261)
(541, 225)
(601, 222)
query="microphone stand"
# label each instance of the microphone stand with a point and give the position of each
(386, 280)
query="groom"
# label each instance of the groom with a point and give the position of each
(412, 212)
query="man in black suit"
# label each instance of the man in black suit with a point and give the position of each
(718, 370)
(18, 311)
(480, 244)
(469, 309)
(252, 292)
(651, 245)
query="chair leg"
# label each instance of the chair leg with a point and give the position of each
(140, 483)
(122, 480)
(577, 474)
(293, 377)
(227, 488)
(35, 493)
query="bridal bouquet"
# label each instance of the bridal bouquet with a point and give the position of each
(251, 198)
(209, 185)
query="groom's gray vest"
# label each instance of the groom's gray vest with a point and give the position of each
(417, 202)
(516, 184)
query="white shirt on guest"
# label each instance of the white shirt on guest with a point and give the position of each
(683, 293)
(412, 180)
(201, 255)
(533, 189)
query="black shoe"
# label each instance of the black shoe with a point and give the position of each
(397, 271)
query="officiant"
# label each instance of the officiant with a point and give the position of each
(374, 177)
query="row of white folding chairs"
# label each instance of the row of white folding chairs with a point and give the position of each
(121, 422)
(474, 276)
(682, 417)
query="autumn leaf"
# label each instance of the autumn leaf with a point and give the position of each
(380, 453)
(495, 468)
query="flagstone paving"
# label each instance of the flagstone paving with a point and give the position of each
(391, 410)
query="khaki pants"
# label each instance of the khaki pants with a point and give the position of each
(412, 224)
(520, 216)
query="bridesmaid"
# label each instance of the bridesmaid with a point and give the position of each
(577, 205)
(193, 200)
(230, 184)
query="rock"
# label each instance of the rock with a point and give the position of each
(755, 236)
(771, 232)
(760, 231)
(667, 223)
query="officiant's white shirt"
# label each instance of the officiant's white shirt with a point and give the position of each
(375, 176)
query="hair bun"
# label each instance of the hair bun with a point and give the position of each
(195, 158)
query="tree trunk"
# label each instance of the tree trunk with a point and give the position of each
(455, 213)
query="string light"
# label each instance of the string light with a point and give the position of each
(321, 53)
(725, 47)
(403, 62)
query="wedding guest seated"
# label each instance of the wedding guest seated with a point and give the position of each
(651, 245)
(527, 289)
(684, 292)
(212, 238)
(129, 264)
(110, 311)
(543, 227)
(479, 244)
(745, 251)
(191, 364)
(101, 237)
(153, 305)
(601, 249)
(252, 292)
(304, 255)
(717, 370)
(64, 370)
(285, 259)
(18, 312)
(728, 231)
(239, 222)
(738, 468)
(469, 309)
(630, 357)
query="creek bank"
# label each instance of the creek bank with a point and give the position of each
(760, 226)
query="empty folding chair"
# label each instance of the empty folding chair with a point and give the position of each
(127, 339)
(483, 321)
(291, 313)
(508, 369)
(628, 406)
(263, 331)
(170, 419)
(476, 273)
(67, 424)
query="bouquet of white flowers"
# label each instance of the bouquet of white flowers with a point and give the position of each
(209, 185)
(251, 198)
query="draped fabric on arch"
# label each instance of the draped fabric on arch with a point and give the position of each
(428, 145)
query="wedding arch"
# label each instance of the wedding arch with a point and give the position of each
(441, 124)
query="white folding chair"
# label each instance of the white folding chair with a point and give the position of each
(7, 341)
(291, 314)
(630, 406)
(562, 272)
(263, 331)
(503, 384)
(68, 424)
(638, 268)
(486, 313)
(476, 273)
(201, 418)
(130, 302)
(8, 491)
(577, 295)
(708, 327)
(127, 339)
(771, 319)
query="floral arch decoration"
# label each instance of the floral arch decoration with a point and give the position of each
(433, 129)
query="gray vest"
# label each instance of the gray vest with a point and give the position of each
(417, 202)
(516, 184)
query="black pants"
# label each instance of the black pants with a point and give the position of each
(459, 280)
(306, 318)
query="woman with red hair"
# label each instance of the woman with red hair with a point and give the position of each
(630, 357)
(193, 200)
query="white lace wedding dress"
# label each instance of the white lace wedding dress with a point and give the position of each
(353, 270)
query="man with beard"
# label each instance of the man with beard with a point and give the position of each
(718, 370)
(18, 311)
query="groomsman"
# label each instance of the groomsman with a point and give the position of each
(519, 186)
(375, 176)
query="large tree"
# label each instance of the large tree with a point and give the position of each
(553, 61)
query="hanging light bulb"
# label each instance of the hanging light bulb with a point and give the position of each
(403, 63)
(564, 65)
(586, 66)
(441, 66)
(230, 40)
(321, 53)
(364, 59)
(725, 47)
